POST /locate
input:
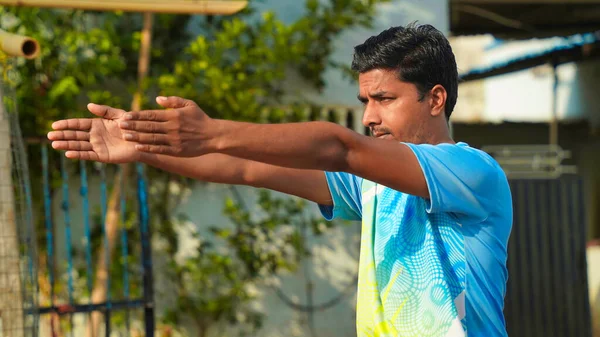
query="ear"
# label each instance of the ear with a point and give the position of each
(437, 99)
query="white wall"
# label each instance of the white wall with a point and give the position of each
(468, 51)
(333, 267)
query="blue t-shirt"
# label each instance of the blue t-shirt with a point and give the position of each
(431, 267)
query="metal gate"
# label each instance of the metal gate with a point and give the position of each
(547, 292)
(64, 305)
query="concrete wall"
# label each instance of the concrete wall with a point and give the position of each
(332, 269)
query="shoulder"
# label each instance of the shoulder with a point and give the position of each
(463, 180)
(460, 158)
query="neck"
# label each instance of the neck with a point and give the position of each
(440, 134)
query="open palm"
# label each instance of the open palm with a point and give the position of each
(97, 139)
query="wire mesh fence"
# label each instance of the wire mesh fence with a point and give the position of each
(18, 271)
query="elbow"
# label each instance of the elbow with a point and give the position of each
(338, 152)
(337, 161)
(333, 157)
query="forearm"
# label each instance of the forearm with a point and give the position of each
(220, 168)
(216, 168)
(310, 145)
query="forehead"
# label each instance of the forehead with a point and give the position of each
(381, 80)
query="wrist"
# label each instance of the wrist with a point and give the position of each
(143, 157)
(216, 132)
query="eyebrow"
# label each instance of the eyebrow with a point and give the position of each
(363, 99)
(378, 94)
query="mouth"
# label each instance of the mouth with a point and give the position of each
(382, 135)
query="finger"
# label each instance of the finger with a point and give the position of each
(72, 145)
(69, 135)
(105, 111)
(147, 138)
(174, 102)
(158, 149)
(82, 155)
(82, 124)
(147, 115)
(149, 127)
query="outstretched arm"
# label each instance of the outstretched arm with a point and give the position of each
(185, 130)
(100, 139)
(323, 146)
(220, 168)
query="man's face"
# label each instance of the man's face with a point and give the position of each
(392, 107)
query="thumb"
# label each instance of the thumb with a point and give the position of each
(173, 102)
(105, 111)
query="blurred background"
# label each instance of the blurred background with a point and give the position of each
(103, 250)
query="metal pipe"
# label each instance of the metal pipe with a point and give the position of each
(18, 45)
(68, 236)
(124, 248)
(153, 6)
(553, 138)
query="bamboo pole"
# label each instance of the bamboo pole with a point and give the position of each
(18, 45)
(209, 7)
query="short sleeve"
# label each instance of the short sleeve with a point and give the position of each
(461, 180)
(345, 192)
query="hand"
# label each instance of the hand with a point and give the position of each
(98, 139)
(181, 131)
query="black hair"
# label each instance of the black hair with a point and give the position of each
(420, 54)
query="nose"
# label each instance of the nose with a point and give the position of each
(371, 116)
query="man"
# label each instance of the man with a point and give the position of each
(436, 214)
